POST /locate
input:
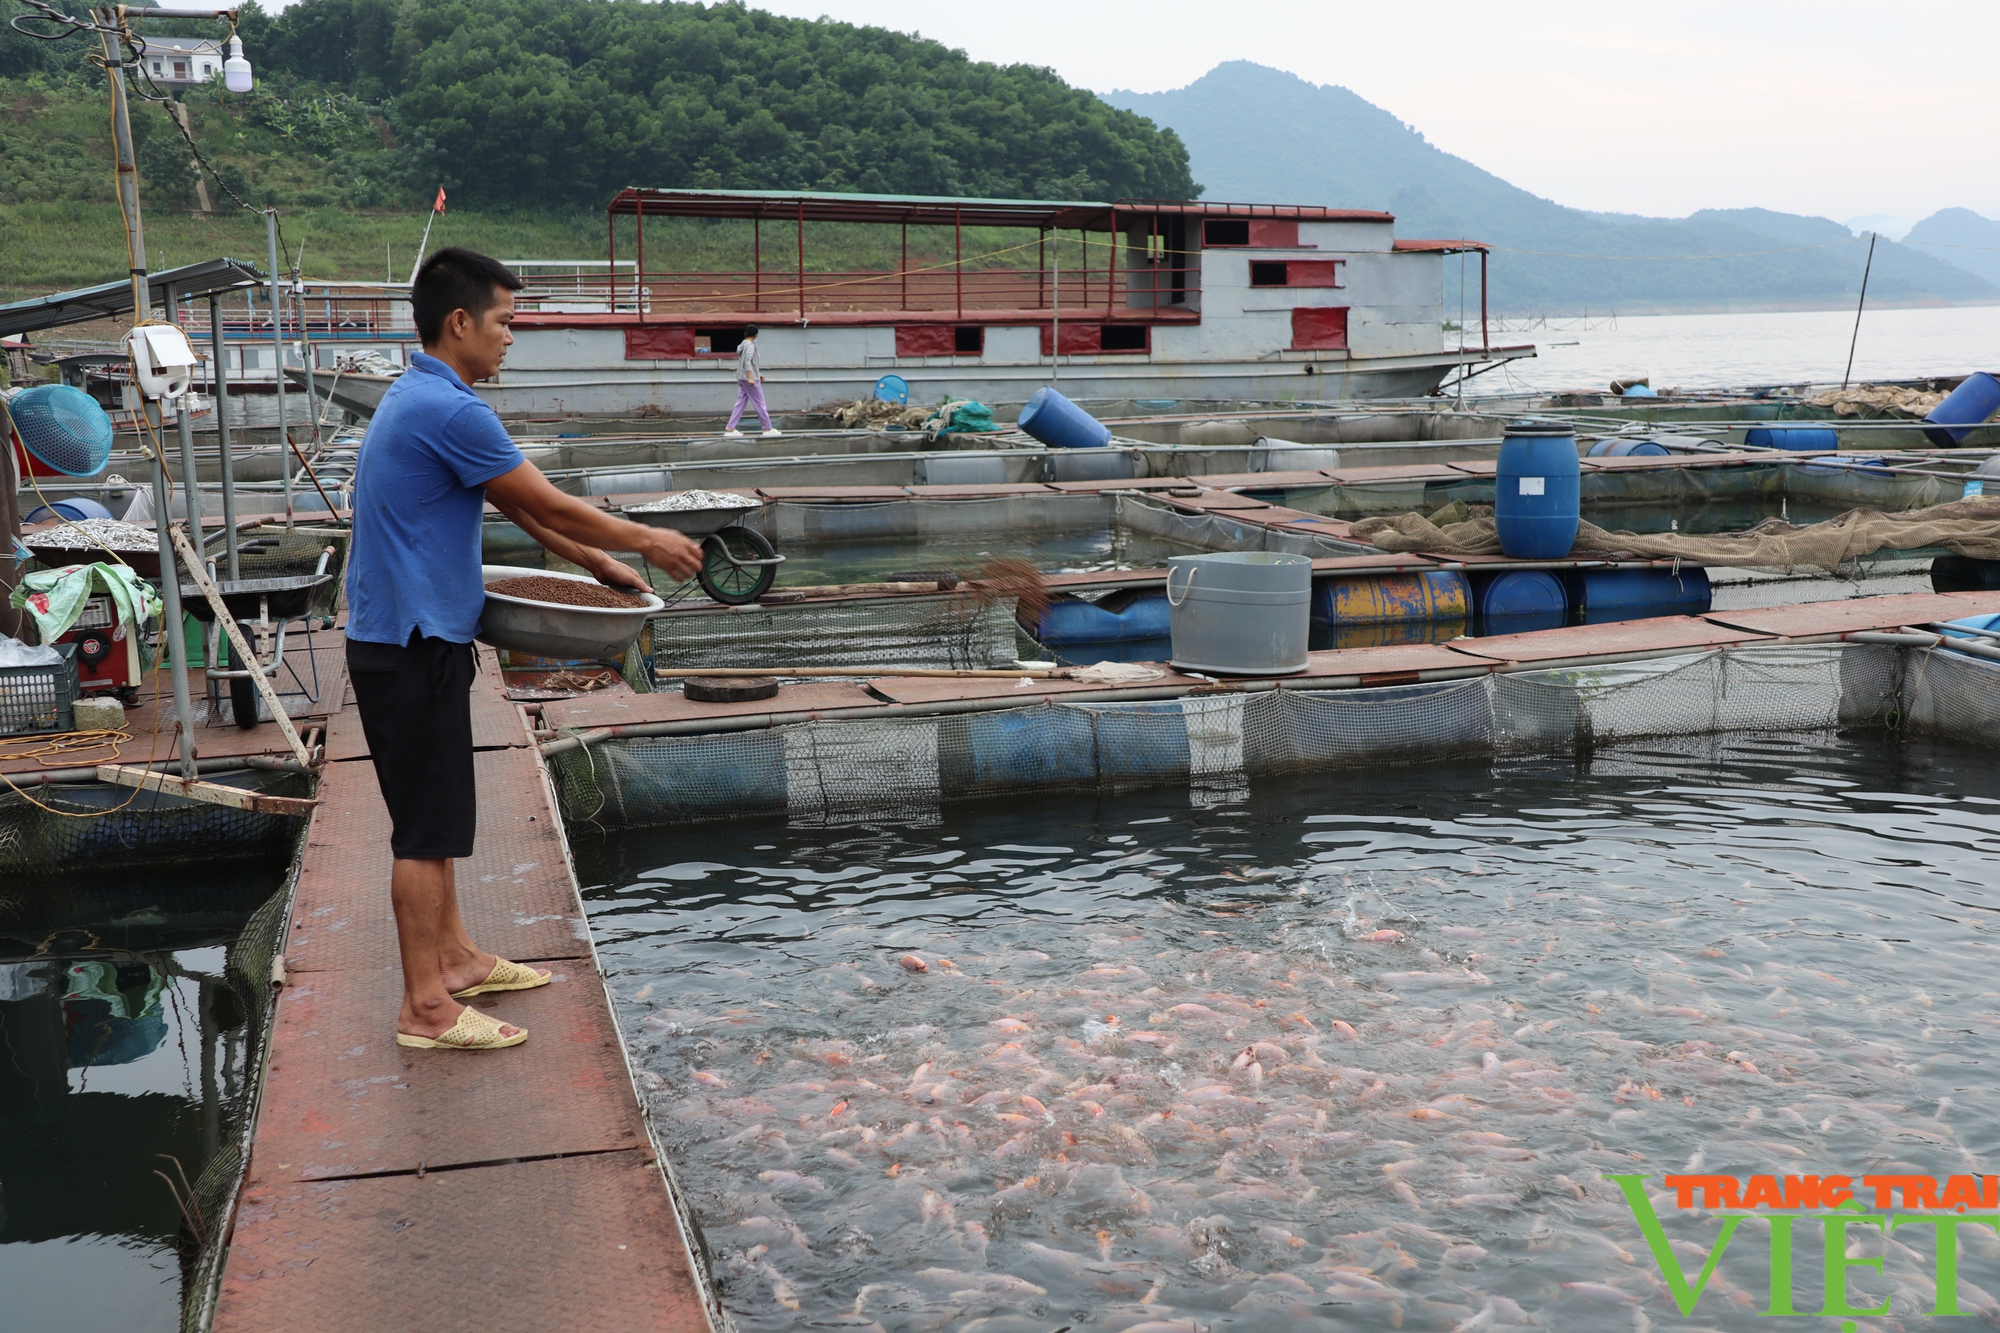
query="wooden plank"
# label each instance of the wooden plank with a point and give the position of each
(214, 793)
(586, 712)
(1859, 613)
(1659, 634)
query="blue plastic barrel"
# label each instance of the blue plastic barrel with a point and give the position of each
(1535, 492)
(74, 510)
(1525, 592)
(1069, 621)
(1626, 448)
(1969, 405)
(1604, 595)
(1061, 424)
(1818, 439)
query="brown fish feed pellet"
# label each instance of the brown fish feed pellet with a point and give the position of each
(566, 592)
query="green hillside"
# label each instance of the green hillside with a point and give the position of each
(1338, 149)
(530, 113)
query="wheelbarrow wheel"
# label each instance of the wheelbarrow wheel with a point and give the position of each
(733, 584)
(242, 693)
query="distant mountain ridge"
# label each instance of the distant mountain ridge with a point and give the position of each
(1963, 238)
(1335, 148)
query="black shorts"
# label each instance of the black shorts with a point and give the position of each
(416, 711)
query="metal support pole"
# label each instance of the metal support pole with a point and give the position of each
(184, 428)
(639, 273)
(802, 260)
(278, 346)
(306, 352)
(173, 625)
(173, 631)
(10, 525)
(611, 258)
(1848, 374)
(958, 257)
(226, 462)
(905, 267)
(1485, 339)
(1055, 314)
(1111, 269)
(757, 264)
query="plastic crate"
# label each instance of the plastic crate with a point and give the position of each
(39, 698)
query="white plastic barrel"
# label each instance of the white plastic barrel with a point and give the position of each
(1240, 613)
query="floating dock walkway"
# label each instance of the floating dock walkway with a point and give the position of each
(398, 1189)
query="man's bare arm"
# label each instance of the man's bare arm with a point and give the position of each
(582, 533)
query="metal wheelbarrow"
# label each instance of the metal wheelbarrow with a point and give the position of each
(264, 610)
(738, 564)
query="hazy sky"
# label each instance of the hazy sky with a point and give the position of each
(1831, 108)
(1834, 107)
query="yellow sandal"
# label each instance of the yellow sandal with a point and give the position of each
(506, 976)
(474, 1031)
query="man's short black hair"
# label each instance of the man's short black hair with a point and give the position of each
(750, 332)
(456, 278)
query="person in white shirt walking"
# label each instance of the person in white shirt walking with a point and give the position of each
(750, 385)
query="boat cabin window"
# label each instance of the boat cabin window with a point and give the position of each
(968, 340)
(1267, 273)
(1225, 231)
(1123, 337)
(717, 342)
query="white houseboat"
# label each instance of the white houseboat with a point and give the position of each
(1142, 300)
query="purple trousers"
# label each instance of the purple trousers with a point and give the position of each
(752, 396)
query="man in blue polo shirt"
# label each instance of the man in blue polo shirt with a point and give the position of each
(434, 454)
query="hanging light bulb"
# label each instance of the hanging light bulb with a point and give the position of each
(236, 70)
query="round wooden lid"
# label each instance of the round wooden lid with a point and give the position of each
(728, 689)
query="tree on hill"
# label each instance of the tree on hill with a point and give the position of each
(540, 103)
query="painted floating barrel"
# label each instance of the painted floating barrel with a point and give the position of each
(1523, 600)
(1535, 504)
(1240, 613)
(1964, 409)
(1392, 599)
(1816, 439)
(1118, 618)
(1605, 595)
(75, 510)
(1061, 424)
(1626, 448)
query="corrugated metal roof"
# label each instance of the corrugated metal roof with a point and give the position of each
(1442, 247)
(111, 299)
(822, 206)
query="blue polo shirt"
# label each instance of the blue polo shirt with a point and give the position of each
(418, 497)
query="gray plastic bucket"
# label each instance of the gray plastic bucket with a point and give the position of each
(1240, 613)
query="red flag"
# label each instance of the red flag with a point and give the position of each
(438, 207)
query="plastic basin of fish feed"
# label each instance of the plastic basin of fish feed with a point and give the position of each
(689, 522)
(545, 629)
(1240, 613)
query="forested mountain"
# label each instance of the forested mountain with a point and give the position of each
(1962, 237)
(1338, 149)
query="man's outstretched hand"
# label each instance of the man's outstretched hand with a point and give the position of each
(676, 553)
(617, 574)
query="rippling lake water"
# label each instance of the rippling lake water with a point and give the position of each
(1346, 1051)
(1761, 347)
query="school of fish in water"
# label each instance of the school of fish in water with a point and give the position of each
(1351, 1052)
